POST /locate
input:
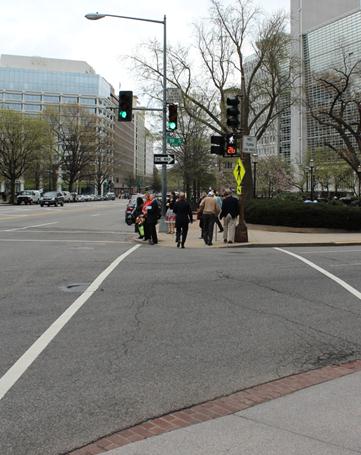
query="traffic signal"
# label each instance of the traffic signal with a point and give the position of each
(233, 113)
(125, 106)
(218, 145)
(231, 145)
(172, 117)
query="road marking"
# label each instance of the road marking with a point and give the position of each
(342, 283)
(23, 363)
(64, 240)
(96, 214)
(28, 227)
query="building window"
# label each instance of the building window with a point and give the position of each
(13, 96)
(32, 107)
(50, 99)
(28, 97)
(69, 99)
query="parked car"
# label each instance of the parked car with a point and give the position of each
(129, 219)
(67, 196)
(28, 197)
(109, 196)
(52, 198)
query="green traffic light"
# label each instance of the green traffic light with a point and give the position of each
(172, 125)
(122, 114)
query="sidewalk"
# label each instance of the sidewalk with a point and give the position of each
(259, 236)
(312, 413)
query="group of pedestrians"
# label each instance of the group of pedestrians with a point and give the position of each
(212, 209)
(146, 214)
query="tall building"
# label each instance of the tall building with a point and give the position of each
(321, 31)
(31, 84)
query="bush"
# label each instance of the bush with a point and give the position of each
(298, 214)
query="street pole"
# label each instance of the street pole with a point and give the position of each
(162, 223)
(311, 168)
(241, 233)
(254, 175)
(96, 16)
(359, 180)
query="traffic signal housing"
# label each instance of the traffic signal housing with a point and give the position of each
(231, 145)
(125, 106)
(172, 117)
(218, 145)
(233, 113)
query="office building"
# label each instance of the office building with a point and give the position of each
(323, 32)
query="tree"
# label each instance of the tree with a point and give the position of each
(22, 140)
(333, 99)
(273, 176)
(263, 82)
(75, 132)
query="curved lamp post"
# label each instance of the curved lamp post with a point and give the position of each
(96, 16)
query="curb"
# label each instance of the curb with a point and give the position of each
(218, 407)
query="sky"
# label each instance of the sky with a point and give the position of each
(58, 29)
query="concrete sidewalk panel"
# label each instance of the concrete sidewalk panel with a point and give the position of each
(330, 412)
(230, 435)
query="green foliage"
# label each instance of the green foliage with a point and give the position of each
(298, 214)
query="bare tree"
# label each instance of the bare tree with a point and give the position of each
(263, 81)
(22, 140)
(75, 135)
(334, 102)
(103, 159)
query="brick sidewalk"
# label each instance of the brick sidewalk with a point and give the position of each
(219, 407)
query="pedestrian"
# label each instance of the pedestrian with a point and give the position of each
(210, 211)
(170, 216)
(230, 211)
(219, 203)
(151, 212)
(138, 218)
(184, 216)
(199, 214)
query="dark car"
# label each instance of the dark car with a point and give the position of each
(129, 219)
(52, 198)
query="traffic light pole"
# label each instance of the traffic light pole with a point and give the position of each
(96, 16)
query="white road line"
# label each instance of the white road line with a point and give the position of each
(96, 214)
(17, 240)
(28, 227)
(342, 283)
(23, 363)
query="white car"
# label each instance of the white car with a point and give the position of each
(67, 196)
(28, 197)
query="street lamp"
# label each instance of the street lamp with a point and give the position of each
(254, 160)
(359, 180)
(312, 165)
(96, 16)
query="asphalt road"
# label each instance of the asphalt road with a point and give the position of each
(167, 328)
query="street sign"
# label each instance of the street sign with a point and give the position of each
(164, 159)
(238, 173)
(174, 95)
(249, 144)
(174, 141)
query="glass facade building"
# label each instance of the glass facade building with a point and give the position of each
(328, 50)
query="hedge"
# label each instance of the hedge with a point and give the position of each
(298, 214)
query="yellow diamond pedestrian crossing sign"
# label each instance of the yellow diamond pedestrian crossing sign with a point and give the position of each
(239, 172)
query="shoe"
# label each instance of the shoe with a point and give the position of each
(182, 245)
(209, 243)
(230, 241)
(220, 231)
(178, 244)
(225, 240)
(140, 237)
(150, 242)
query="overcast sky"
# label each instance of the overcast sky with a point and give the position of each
(58, 29)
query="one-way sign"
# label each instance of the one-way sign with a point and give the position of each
(164, 159)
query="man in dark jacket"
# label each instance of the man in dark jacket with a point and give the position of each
(184, 216)
(151, 209)
(230, 211)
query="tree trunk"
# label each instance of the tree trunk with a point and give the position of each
(12, 190)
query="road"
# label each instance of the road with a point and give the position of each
(165, 329)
